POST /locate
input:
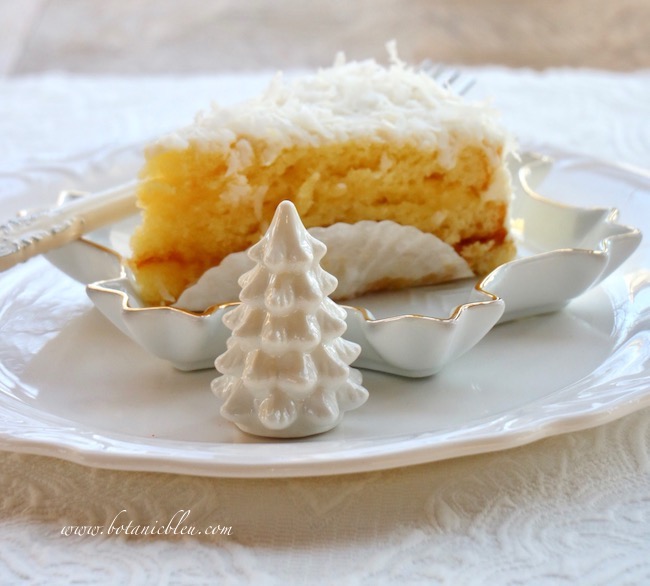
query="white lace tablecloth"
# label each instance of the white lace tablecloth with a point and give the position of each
(571, 509)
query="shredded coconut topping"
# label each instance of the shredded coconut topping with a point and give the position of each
(360, 98)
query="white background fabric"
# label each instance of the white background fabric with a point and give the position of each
(571, 509)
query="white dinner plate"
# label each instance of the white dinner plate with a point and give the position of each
(74, 387)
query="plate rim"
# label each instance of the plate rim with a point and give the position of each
(405, 451)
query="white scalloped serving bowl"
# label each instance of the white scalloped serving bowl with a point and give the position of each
(564, 251)
(570, 249)
(409, 345)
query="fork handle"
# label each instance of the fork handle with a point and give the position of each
(31, 234)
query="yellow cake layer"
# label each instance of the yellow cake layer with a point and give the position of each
(198, 206)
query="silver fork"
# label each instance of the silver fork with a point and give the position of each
(451, 79)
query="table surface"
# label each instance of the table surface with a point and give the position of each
(164, 36)
(568, 509)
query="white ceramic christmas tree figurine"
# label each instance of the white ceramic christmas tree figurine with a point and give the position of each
(286, 371)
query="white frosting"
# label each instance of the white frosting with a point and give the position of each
(358, 255)
(286, 370)
(395, 103)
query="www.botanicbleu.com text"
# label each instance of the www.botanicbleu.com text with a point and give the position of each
(122, 525)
